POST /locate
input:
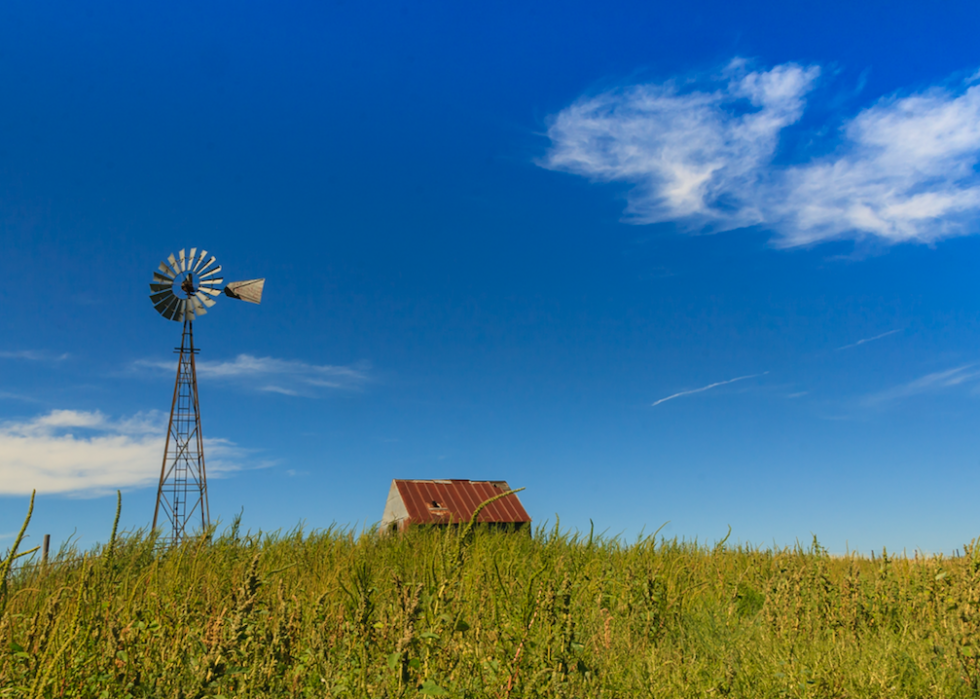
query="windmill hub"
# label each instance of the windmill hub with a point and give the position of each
(187, 286)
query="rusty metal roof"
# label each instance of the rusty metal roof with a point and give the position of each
(456, 500)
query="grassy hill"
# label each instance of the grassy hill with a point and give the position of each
(472, 613)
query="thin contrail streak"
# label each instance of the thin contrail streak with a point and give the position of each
(705, 388)
(869, 339)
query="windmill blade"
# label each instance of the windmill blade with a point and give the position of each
(161, 295)
(183, 266)
(164, 272)
(168, 308)
(182, 311)
(199, 309)
(162, 304)
(162, 278)
(197, 264)
(203, 268)
(249, 290)
(209, 302)
(209, 291)
(211, 273)
(173, 264)
(190, 258)
(157, 288)
(211, 283)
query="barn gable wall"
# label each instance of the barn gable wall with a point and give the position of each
(395, 512)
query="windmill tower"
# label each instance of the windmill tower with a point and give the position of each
(184, 287)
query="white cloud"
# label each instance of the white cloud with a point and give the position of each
(904, 169)
(868, 339)
(9, 395)
(280, 390)
(289, 377)
(930, 383)
(706, 388)
(33, 355)
(86, 453)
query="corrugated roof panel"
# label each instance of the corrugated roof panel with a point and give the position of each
(412, 500)
(495, 511)
(456, 500)
(505, 509)
(502, 509)
(467, 499)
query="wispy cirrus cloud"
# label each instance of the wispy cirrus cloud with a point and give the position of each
(867, 340)
(703, 153)
(10, 395)
(34, 355)
(86, 453)
(290, 377)
(706, 388)
(935, 382)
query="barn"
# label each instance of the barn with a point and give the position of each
(412, 502)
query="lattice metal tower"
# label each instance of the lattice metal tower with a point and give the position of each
(183, 290)
(183, 489)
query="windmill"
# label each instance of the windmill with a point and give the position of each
(184, 287)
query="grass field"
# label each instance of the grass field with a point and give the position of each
(473, 613)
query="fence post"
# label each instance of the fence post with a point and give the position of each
(44, 551)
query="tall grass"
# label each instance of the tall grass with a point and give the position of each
(473, 613)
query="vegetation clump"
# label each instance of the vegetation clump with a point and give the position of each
(472, 613)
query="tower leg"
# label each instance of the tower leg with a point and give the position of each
(182, 494)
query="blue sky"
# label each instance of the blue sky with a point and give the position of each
(693, 263)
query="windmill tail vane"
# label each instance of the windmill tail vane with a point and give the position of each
(184, 287)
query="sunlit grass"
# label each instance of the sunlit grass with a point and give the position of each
(473, 613)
